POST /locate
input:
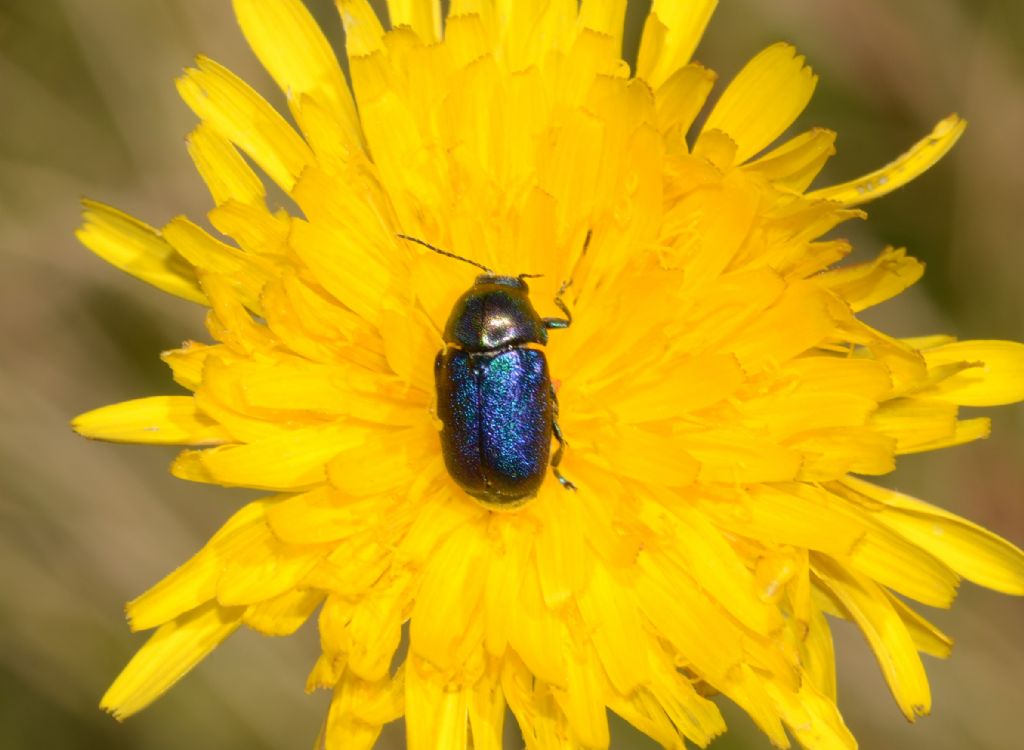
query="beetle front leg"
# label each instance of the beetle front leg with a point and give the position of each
(557, 431)
(560, 304)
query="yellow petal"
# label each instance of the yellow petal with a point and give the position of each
(818, 654)
(168, 655)
(363, 30)
(763, 100)
(964, 431)
(536, 634)
(159, 420)
(465, 38)
(295, 52)
(748, 689)
(707, 638)
(531, 28)
(541, 721)
(325, 674)
(402, 151)
(668, 708)
(138, 249)
(773, 571)
(422, 16)
(795, 163)
(870, 608)
(436, 715)
(693, 714)
(235, 111)
(907, 167)
(867, 284)
(410, 341)
(670, 36)
(303, 315)
(476, 130)
(796, 262)
(225, 172)
(928, 638)
(905, 364)
(813, 718)
(972, 551)
(487, 714)
(335, 640)
(292, 385)
(247, 274)
(790, 408)
(375, 629)
(833, 453)
(229, 321)
(915, 423)
(323, 515)
(256, 566)
(352, 568)
(566, 165)
(564, 563)
(928, 342)
(735, 456)
(859, 378)
(797, 322)
(188, 587)
(994, 376)
(703, 552)
(187, 362)
(583, 700)
(255, 230)
(293, 460)
(619, 638)
(902, 566)
(346, 265)
(282, 614)
(195, 582)
(603, 16)
(506, 568)
(786, 514)
(640, 454)
(695, 383)
(385, 461)
(719, 297)
(453, 585)
(680, 99)
(222, 396)
(359, 709)
(440, 513)
(717, 148)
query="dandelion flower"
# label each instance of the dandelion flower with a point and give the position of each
(721, 399)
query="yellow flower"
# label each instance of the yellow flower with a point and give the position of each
(718, 392)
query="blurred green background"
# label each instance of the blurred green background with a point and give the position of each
(90, 109)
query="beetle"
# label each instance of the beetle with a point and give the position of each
(495, 398)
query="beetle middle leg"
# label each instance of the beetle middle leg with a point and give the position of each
(557, 431)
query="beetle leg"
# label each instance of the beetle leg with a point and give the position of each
(557, 430)
(560, 304)
(557, 458)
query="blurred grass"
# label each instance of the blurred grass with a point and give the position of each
(92, 111)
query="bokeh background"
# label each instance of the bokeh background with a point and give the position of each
(89, 108)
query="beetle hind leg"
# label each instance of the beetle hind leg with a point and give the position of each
(557, 458)
(557, 431)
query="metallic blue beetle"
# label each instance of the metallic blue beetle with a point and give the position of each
(494, 392)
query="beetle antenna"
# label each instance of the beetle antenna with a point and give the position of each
(579, 259)
(439, 251)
